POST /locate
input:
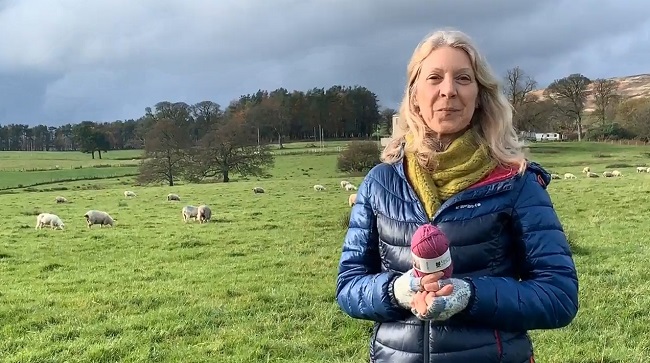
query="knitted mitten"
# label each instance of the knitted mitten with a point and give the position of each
(443, 307)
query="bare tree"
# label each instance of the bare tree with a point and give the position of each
(166, 146)
(518, 89)
(604, 91)
(230, 147)
(569, 96)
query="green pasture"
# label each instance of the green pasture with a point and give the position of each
(256, 284)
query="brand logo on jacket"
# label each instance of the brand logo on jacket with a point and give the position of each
(465, 206)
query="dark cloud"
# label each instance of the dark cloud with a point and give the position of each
(69, 61)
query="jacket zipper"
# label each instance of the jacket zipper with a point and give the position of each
(458, 198)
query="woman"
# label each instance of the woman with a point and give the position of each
(455, 161)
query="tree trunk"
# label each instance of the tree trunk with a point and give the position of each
(225, 176)
(100, 154)
(579, 129)
(170, 180)
(93, 154)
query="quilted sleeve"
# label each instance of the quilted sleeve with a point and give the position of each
(363, 291)
(547, 295)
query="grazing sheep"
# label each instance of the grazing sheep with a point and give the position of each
(555, 176)
(172, 196)
(258, 190)
(204, 214)
(569, 176)
(352, 198)
(350, 187)
(608, 174)
(129, 193)
(190, 211)
(344, 183)
(641, 169)
(318, 187)
(586, 170)
(617, 173)
(99, 217)
(592, 175)
(61, 199)
(49, 219)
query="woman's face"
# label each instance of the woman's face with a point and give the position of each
(446, 91)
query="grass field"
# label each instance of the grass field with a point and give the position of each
(257, 284)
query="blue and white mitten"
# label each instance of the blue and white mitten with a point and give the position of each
(405, 287)
(444, 307)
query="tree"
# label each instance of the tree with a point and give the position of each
(569, 96)
(604, 91)
(359, 156)
(229, 147)
(166, 147)
(634, 115)
(91, 138)
(518, 89)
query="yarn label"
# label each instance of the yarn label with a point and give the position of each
(429, 265)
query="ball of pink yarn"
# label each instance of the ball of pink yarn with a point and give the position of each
(429, 243)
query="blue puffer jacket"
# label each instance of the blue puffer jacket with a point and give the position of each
(506, 240)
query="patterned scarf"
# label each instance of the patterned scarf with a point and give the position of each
(462, 164)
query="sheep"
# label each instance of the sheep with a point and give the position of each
(129, 193)
(50, 219)
(608, 174)
(617, 173)
(569, 176)
(640, 169)
(555, 176)
(352, 198)
(344, 183)
(99, 217)
(586, 169)
(350, 187)
(204, 214)
(172, 196)
(318, 187)
(60, 199)
(258, 190)
(189, 211)
(592, 175)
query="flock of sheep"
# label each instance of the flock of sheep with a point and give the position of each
(202, 213)
(345, 185)
(607, 174)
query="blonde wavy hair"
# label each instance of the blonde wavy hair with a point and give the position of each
(492, 121)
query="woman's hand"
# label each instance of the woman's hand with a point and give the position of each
(451, 297)
(431, 283)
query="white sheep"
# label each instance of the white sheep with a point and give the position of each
(99, 217)
(555, 176)
(350, 187)
(586, 170)
(569, 176)
(204, 214)
(608, 174)
(61, 199)
(49, 219)
(344, 183)
(258, 190)
(318, 187)
(172, 196)
(617, 173)
(188, 212)
(129, 193)
(352, 198)
(592, 175)
(641, 169)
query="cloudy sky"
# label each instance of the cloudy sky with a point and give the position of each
(73, 60)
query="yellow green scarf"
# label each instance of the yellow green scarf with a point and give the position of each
(463, 164)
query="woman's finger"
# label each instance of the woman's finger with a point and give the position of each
(446, 290)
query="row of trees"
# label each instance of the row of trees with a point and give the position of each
(277, 116)
(571, 104)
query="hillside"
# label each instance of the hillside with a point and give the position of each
(629, 86)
